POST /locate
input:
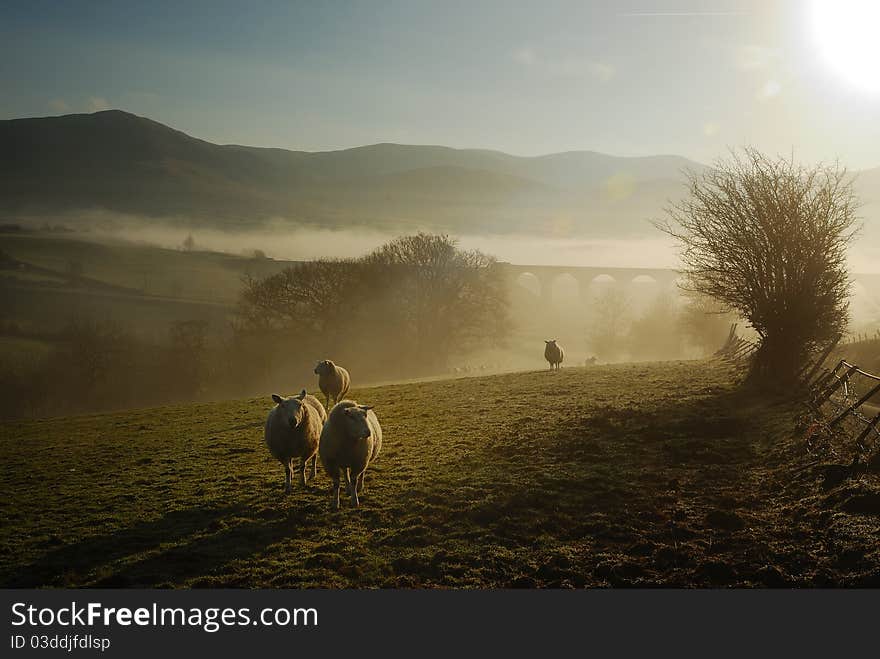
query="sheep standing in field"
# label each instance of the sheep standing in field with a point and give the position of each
(333, 380)
(293, 430)
(351, 439)
(554, 354)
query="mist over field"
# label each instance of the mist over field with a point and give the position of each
(437, 294)
(286, 240)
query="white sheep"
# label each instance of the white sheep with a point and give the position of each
(351, 439)
(553, 353)
(293, 430)
(333, 380)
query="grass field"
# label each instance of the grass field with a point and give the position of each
(205, 276)
(643, 474)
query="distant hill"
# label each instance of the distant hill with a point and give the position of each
(123, 163)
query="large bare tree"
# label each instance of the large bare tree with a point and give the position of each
(449, 297)
(415, 300)
(767, 238)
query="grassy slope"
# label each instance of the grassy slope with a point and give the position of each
(629, 474)
(204, 276)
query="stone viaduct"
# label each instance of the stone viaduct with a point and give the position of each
(585, 276)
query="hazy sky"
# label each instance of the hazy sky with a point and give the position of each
(628, 78)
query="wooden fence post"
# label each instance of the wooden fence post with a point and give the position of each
(840, 381)
(822, 382)
(872, 425)
(818, 364)
(854, 406)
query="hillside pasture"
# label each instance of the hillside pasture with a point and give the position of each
(661, 474)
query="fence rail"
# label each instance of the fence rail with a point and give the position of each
(839, 388)
(736, 350)
(851, 393)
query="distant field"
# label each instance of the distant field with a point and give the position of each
(651, 474)
(205, 276)
(155, 287)
(22, 350)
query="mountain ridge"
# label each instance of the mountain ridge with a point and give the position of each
(120, 162)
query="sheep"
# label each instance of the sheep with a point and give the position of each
(333, 380)
(553, 353)
(351, 439)
(293, 430)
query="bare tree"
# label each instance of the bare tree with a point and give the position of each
(705, 322)
(310, 296)
(414, 301)
(450, 297)
(767, 238)
(611, 319)
(187, 358)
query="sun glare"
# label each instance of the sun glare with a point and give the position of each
(848, 34)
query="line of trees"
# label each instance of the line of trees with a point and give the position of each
(97, 365)
(401, 310)
(668, 327)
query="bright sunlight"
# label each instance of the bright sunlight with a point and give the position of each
(848, 32)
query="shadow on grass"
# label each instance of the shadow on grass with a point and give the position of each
(657, 492)
(642, 495)
(179, 545)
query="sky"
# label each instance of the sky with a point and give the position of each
(626, 78)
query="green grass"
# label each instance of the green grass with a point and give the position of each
(204, 276)
(15, 350)
(651, 474)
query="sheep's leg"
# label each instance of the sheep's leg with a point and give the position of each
(334, 490)
(302, 471)
(287, 476)
(361, 479)
(315, 467)
(352, 488)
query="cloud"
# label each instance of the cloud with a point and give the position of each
(96, 104)
(664, 14)
(58, 105)
(564, 67)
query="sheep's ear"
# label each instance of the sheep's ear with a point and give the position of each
(366, 408)
(546, 341)
(302, 394)
(278, 399)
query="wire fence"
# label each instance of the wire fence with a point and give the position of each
(861, 337)
(843, 399)
(845, 402)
